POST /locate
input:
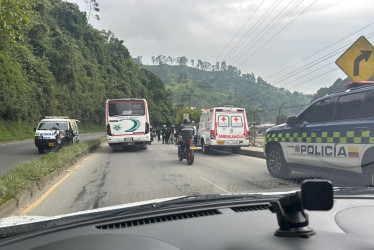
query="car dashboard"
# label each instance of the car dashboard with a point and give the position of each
(348, 225)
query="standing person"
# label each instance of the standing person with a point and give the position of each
(158, 132)
(167, 135)
(194, 133)
(172, 132)
(163, 132)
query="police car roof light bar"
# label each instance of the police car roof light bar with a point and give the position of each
(56, 117)
(359, 84)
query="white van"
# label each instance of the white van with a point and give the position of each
(223, 127)
(127, 123)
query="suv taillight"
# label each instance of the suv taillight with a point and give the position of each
(108, 131)
(212, 134)
(146, 127)
(248, 134)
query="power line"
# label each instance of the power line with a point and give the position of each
(265, 32)
(320, 50)
(239, 30)
(246, 34)
(278, 32)
(314, 63)
(297, 85)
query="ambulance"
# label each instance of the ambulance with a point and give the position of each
(334, 134)
(127, 123)
(223, 127)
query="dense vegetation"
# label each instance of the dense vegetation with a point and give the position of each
(208, 88)
(52, 62)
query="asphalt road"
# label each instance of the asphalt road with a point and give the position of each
(13, 154)
(108, 178)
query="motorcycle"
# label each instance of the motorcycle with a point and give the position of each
(187, 151)
(63, 138)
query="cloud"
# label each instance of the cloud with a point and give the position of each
(200, 29)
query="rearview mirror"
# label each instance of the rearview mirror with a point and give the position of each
(34, 129)
(291, 120)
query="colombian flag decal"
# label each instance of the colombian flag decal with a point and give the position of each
(353, 152)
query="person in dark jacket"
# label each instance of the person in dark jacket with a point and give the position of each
(158, 132)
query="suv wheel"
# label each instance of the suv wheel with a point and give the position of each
(276, 163)
(41, 150)
(368, 169)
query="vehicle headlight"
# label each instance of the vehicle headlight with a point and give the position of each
(38, 137)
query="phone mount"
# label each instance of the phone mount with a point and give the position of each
(292, 219)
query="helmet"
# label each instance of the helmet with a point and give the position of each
(164, 126)
(186, 121)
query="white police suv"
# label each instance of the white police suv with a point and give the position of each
(334, 133)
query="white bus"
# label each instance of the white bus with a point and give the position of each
(127, 123)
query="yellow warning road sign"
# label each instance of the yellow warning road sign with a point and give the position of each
(358, 60)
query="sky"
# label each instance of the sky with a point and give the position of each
(259, 36)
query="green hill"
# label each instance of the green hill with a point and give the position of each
(55, 63)
(217, 88)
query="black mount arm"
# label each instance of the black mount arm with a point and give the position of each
(292, 219)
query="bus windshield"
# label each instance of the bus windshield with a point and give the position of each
(126, 108)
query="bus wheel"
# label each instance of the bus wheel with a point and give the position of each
(276, 163)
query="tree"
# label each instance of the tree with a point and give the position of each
(93, 7)
(182, 60)
(223, 66)
(16, 19)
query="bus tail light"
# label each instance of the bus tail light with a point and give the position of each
(108, 131)
(248, 134)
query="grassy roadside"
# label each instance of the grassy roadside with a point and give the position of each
(25, 176)
(17, 130)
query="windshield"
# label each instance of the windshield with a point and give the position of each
(126, 108)
(133, 74)
(53, 125)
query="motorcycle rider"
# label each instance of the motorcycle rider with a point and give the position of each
(186, 132)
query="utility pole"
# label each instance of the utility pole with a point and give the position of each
(254, 126)
(189, 100)
(279, 112)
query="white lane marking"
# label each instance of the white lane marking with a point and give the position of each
(219, 187)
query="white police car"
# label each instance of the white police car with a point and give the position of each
(334, 133)
(54, 132)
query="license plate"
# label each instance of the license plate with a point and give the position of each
(220, 142)
(192, 147)
(128, 139)
(51, 144)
